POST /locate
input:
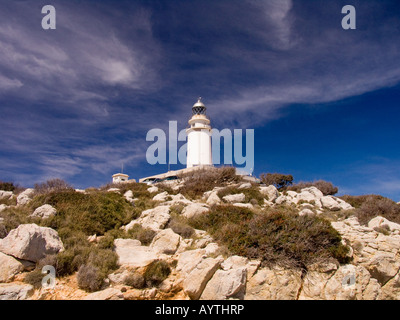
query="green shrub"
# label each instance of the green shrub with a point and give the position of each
(371, 206)
(156, 273)
(276, 236)
(36, 276)
(280, 181)
(144, 235)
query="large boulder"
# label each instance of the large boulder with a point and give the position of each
(9, 267)
(213, 199)
(25, 196)
(329, 202)
(234, 198)
(45, 211)
(131, 253)
(154, 219)
(196, 280)
(31, 242)
(5, 195)
(166, 241)
(381, 222)
(107, 294)
(11, 291)
(271, 192)
(228, 283)
(194, 210)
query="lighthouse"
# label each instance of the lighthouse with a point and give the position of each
(199, 137)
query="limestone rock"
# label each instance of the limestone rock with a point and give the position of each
(271, 192)
(31, 242)
(161, 196)
(166, 241)
(196, 280)
(274, 284)
(384, 267)
(152, 189)
(244, 205)
(131, 253)
(5, 195)
(9, 267)
(246, 185)
(234, 198)
(381, 221)
(194, 210)
(329, 202)
(155, 219)
(107, 294)
(226, 285)
(25, 196)
(188, 260)
(11, 291)
(45, 211)
(213, 199)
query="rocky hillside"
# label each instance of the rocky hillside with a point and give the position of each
(210, 236)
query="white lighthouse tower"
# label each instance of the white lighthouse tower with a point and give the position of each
(199, 137)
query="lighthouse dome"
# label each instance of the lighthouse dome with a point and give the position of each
(199, 107)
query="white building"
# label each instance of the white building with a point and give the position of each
(120, 177)
(199, 137)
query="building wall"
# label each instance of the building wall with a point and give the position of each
(199, 148)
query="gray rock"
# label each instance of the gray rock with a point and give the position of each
(161, 196)
(166, 241)
(213, 199)
(11, 291)
(9, 267)
(44, 212)
(246, 185)
(155, 219)
(5, 195)
(197, 279)
(25, 196)
(31, 242)
(194, 210)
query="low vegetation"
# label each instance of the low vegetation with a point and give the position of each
(279, 180)
(197, 182)
(327, 188)
(371, 206)
(276, 236)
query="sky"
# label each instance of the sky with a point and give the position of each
(77, 102)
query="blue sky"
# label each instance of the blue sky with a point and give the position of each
(77, 102)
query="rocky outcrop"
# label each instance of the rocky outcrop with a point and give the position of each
(161, 196)
(270, 192)
(45, 211)
(6, 195)
(274, 284)
(196, 280)
(130, 252)
(107, 294)
(11, 291)
(9, 267)
(166, 241)
(31, 242)
(155, 219)
(235, 198)
(381, 222)
(25, 196)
